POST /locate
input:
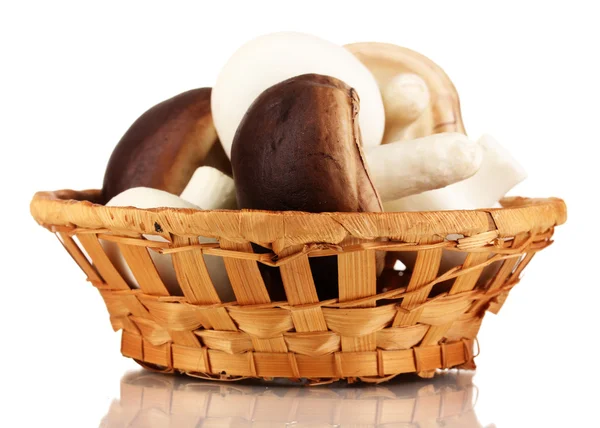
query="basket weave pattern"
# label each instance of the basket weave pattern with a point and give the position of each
(419, 327)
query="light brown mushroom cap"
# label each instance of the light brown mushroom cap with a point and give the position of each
(385, 61)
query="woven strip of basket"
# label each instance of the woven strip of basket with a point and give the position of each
(149, 400)
(429, 323)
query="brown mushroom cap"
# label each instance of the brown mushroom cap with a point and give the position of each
(386, 60)
(165, 145)
(299, 148)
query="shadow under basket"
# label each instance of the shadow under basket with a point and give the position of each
(420, 319)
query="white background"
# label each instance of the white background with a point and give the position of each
(75, 76)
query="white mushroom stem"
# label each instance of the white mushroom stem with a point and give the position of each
(210, 189)
(405, 98)
(406, 168)
(143, 198)
(499, 172)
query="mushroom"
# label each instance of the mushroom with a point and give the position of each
(499, 172)
(210, 189)
(144, 198)
(165, 145)
(395, 68)
(408, 168)
(299, 148)
(405, 98)
(273, 58)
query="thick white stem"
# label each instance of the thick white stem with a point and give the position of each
(499, 172)
(405, 98)
(210, 189)
(411, 167)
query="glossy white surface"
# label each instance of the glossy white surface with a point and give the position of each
(74, 78)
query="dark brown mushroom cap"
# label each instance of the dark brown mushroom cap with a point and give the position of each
(299, 148)
(165, 145)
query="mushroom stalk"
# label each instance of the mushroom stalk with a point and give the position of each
(408, 168)
(499, 172)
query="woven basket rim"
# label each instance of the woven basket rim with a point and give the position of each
(82, 209)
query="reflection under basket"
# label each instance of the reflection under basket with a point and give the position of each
(149, 399)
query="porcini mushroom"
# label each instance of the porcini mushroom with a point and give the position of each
(387, 62)
(210, 189)
(499, 172)
(412, 167)
(405, 98)
(165, 145)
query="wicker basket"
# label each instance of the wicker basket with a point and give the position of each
(428, 322)
(148, 399)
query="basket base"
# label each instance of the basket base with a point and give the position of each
(373, 367)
